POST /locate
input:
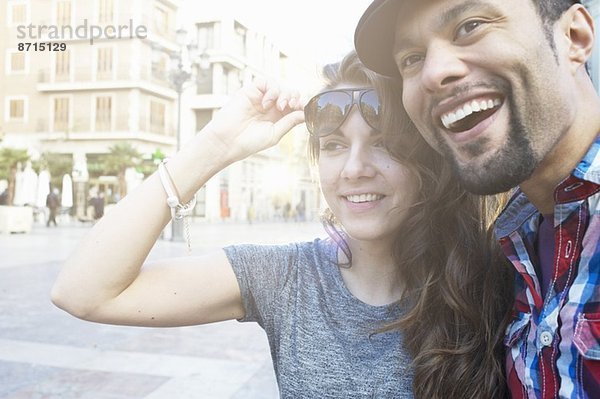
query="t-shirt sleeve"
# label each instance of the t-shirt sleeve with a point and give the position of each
(261, 272)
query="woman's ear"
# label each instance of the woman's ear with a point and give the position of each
(577, 26)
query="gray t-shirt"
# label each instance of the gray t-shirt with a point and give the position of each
(323, 339)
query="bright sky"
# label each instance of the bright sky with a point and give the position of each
(323, 29)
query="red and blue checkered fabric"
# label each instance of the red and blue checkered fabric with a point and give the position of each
(553, 343)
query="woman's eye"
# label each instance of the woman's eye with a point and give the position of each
(411, 60)
(331, 146)
(468, 27)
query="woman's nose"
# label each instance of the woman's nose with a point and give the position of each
(359, 163)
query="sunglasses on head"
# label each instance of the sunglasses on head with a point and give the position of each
(328, 110)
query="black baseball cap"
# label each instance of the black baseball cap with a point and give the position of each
(374, 37)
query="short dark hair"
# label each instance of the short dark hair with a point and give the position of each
(551, 10)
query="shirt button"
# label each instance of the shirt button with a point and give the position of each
(546, 338)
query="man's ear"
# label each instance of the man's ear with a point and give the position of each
(577, 26)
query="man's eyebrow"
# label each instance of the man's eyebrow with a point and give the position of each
(443, 20)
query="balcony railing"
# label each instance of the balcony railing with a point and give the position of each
(90, 74)
(86, 125)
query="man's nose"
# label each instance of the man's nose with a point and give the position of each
(442, 66)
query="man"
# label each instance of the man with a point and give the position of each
(52, 202)
(500, 88)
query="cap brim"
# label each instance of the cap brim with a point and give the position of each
(374, 37)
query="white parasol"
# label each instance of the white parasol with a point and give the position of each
(43, 188)
(18, 198)
(66, 200)
(30, 179)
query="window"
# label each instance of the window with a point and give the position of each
(159, 65)
(105, 62)
(105, 11)
(239, 38)
(61, 113)
(16, 109)
(17, 62)
(204, 82)
(63, 12)
(104, 113)
(63, 64)
(161, 20)
(206, 35)
(203, 116)
(18, 13)
(233, 80)
(157, 117)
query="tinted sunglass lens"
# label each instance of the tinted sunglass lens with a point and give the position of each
(371, 108)
(326, 112)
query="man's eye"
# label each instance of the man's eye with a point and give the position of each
(468, 27)
(379, 143)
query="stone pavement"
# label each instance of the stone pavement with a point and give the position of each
(47, 354)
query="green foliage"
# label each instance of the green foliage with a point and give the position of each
(57, 164)
(158, 156)
(9, 158)
(121, 156)
(148, 165)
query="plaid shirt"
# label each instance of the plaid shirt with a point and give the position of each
(553, 343)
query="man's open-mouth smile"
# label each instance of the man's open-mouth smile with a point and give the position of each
(470, 113)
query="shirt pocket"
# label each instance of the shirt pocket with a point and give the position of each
(587, 336)
(517, 329)
(586, 339)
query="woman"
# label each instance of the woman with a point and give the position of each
(399, 293)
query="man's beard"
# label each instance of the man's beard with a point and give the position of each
(509, 166)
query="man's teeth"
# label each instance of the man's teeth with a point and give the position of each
(364, 197)
(467, 109)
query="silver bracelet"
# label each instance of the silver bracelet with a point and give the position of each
(178, 210)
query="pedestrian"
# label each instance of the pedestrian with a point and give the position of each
(500, 88)
(98, 206)
(300, 211)
(4, 197)
(53, 203)
(400, 276)
(251, 213)
(287, 211)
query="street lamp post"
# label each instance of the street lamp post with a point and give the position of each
(178, 77)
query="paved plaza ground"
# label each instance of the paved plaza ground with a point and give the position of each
(47, 354)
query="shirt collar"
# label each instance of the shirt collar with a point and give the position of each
(581, 183)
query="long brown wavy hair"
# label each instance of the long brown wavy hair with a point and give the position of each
(458, 282)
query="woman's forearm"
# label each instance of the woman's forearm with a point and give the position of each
(110, 257)
(97, 280)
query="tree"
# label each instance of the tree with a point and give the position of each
(121, 157)
(148, 164)
(10, 158)
(57, 164)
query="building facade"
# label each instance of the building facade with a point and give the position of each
(96, 92)
(115, 87)
(276, 183)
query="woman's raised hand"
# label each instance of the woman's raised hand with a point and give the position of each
(255, 118)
